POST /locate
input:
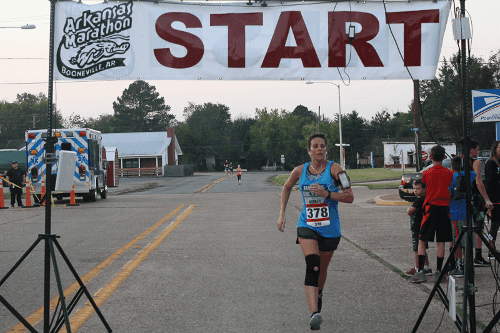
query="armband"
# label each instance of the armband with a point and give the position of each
(329, 196)
(344, 180)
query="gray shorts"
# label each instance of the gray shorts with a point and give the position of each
(325, 244)
(457, 226)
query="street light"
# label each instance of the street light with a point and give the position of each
(340, 122)
(27, 26)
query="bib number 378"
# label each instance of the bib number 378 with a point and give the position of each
(318, 215)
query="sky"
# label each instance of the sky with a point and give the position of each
(24, 67)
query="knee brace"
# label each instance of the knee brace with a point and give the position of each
(313, 263)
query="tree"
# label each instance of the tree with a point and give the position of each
(140, 109)
(28, 111)
(354, 133)
(205, 133)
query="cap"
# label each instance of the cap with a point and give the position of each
(14, 162)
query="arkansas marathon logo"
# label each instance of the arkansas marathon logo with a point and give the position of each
(95, 42)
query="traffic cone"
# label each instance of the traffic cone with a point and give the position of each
(43, 193)
(28, 197)
(2, 200)
(72, 199)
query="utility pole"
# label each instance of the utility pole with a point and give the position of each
(319, 117)
(416, 120)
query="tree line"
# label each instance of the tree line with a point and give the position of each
(208, 136)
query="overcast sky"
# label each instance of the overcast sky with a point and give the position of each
(24, 68)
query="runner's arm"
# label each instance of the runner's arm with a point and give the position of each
(346, 196)
(285, 195)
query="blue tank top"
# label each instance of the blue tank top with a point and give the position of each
(314, 206)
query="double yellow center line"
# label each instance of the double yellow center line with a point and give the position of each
(104, 293)
(212, 183)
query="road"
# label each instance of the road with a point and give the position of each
(203, 254)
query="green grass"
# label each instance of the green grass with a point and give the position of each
(361, 175)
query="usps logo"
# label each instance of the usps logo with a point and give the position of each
(486, 105)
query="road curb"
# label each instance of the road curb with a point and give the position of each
(380, 201)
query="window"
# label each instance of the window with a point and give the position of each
(130, 163)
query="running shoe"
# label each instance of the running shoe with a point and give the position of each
(428, 271)
(481, 262)
(315, 321)
(491, 256)
(411, 272)
(419, 277)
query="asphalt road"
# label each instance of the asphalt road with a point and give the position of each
(203, 254)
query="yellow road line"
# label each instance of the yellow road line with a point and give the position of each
(37, 316)
(103, 294)
(212, 183)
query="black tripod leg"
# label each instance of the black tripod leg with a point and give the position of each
(495, 319)
(60, 321)
(17, 315)
(59, 285)
(436, 286)
(82, 285)
(9, 273)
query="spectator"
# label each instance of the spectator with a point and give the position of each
(17, 178)
(458, 211)
(480, 202)
(436, 218)
(492, 180)
(416, 214)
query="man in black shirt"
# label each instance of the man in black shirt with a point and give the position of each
(17, 177)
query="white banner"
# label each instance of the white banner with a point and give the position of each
(234, 41)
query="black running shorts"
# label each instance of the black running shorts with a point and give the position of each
(325, 244)
(436, 221)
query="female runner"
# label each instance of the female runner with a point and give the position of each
(323, 184)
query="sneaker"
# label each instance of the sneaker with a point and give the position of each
(320, 301)
(315, 321)
(419, 277)
(457, 272)
(436, 276)
(428, 271)
(411, 272)
(481, 262)
(491, 256)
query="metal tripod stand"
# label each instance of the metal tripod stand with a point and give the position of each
(469, 288)
(50, 239)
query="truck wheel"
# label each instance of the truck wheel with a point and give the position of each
(104, 194)
(93, 195)
(86, 198)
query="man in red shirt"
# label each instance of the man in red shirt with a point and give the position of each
(436, 220)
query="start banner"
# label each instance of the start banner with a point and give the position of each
(234, 41)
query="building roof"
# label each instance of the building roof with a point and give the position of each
(138, 143)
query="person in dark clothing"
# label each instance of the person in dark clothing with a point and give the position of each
(17, 177)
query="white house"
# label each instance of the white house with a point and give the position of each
(398, 153)
(145, 151)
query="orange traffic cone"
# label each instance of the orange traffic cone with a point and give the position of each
(28, 197)
(43, 192)
(2, 200)
(72, 199)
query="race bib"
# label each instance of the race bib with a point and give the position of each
(317, 212)
(318, 215)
